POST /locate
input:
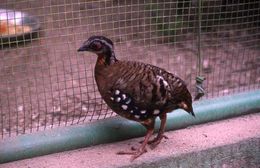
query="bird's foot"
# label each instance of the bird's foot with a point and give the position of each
(134, 152)
(137, 154)
(156, 141)
(158, 138)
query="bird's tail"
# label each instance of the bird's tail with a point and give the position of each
(190, 110)
(187, 107)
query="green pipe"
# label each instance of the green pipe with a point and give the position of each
(117, 128)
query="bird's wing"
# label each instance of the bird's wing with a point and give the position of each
(151, 87)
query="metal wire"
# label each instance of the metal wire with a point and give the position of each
(45, 83)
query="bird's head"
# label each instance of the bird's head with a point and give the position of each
(97, 44)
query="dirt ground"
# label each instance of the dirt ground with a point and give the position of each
(46, 83)
(180, 142)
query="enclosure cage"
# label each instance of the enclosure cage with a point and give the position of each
(45, 83)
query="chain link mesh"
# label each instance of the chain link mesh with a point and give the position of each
(45, 83)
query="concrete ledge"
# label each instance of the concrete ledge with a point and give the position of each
(242, 154)
(227, 143)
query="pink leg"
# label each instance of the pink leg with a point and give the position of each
(142, 149)
(160, 134)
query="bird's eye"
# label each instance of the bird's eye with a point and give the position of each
(96, 46)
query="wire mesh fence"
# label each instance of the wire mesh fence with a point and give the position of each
(45, 83)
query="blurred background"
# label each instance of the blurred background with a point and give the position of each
(45, 83)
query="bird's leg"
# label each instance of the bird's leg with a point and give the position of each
(160, 134)
(142, 149)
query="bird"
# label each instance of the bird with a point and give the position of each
(137, 91)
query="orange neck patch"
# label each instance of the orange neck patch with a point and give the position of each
(101, 60)
(104, 59)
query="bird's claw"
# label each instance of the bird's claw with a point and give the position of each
(153, 143)
(135, 152)
(134, 148)
(158, 139)
(155, 139)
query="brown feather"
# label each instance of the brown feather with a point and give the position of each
(140, 81)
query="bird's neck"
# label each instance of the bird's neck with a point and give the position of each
(103, 68)
(106, 59)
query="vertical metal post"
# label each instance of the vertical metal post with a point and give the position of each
(199, 60)
(199, 79)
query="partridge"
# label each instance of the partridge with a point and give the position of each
(137, 91)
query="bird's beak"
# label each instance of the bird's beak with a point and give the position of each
(83, 48)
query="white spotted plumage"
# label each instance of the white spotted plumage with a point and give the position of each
(117, 92)
(118, 99)
(143, 111)
(128, 101)
(123, 96)
(124, 107)
(165, 83)
(137, 116)
(156, 112)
